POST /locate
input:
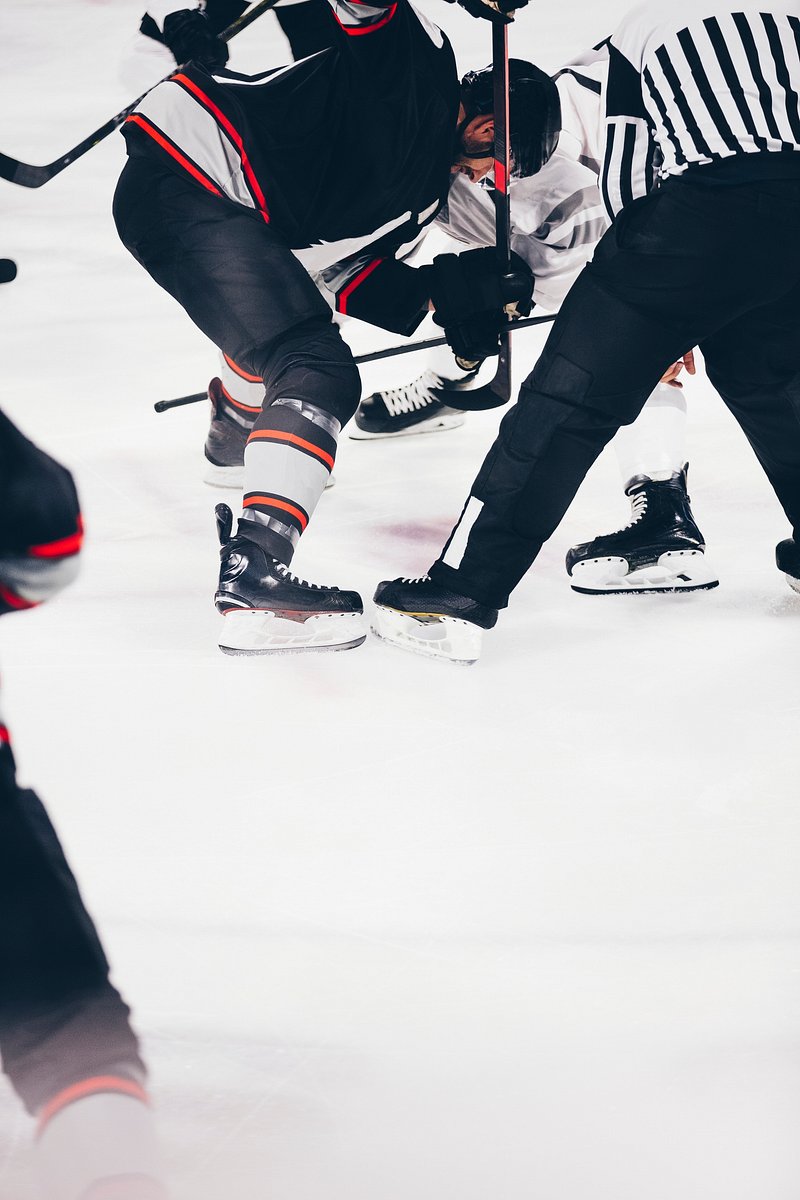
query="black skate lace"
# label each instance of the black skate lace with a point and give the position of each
(286, 574)
(413, 396)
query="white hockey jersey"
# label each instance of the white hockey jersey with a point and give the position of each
(557, 215)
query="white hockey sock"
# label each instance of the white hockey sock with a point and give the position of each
(655, 444)
(97, 1141)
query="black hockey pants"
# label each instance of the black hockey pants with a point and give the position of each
(240, 284)
(61, 1021)
(701, 261)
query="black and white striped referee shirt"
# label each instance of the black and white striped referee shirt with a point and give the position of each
(694, 82)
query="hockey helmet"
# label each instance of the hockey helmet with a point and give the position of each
(534, 110)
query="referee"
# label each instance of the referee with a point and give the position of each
(702, 179)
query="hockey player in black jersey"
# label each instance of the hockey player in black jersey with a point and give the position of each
(705, 98)
(66, 1041)
(237, 190)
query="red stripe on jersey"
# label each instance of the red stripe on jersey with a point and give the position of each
(500, 177)
(97, 1085)
(279, 435)
(62, 548)
(173, 150)
(355, 30)
(240, 371)
(344, 295)
(232, 133)
(272, 502)
(14, 601)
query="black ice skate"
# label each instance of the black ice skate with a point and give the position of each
(419, 407)
(420, 615)
(267, 609)
(661, 550)
(787, 556)
(226, 440)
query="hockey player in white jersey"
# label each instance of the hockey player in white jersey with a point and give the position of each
(558, 217)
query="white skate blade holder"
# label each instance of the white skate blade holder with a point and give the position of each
(259, 631)
(434, 424)
(674, 571)
(430, 634)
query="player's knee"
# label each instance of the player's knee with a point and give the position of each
(312, 363)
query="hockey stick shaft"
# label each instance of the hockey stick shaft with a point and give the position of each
(28, 175)
(501, 384)
(374, 355)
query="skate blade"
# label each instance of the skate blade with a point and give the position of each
(437, 425)
(256, 631)
(793, 583)
(233, 477)
(429, 634)
(675, 571)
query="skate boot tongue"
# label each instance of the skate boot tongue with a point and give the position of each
(224, 518)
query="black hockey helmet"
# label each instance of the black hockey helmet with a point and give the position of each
(534, 109)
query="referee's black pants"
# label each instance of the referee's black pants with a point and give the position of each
(702, 261)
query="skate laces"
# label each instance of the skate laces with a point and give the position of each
(413, 396)
(419, 579)
(638, 509)
(288, 577)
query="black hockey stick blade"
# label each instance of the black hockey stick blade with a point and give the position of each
(30, 176)
(393, 352)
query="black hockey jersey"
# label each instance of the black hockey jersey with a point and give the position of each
(346, 154)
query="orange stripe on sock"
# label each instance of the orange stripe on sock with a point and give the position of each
(273, 503)
(280, 436)
(240, 372)
(94, 1086)
(61, 548)
(237, 403)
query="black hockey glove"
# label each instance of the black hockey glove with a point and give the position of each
(191, 39)
(493, 10)
(472, 298)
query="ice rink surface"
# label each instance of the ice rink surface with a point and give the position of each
(392, 929)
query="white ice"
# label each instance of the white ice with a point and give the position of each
(393, 929)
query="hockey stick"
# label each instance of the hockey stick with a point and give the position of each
(374, 355)
(500, 387)
(27, 175)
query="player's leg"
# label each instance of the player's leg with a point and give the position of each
(244, 288)
(755, 366)
(662, 280)
(662, 548)
(65, 1038)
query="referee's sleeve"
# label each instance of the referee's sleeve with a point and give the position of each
(629, 151)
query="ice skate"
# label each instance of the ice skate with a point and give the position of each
(226, 440)
(420, 615)
(419, 407)
(787, 556)
(268, 610)
(661, 550)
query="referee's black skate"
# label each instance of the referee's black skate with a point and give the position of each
(661, 550)
(787, 556)
(226, 440)
(267, 609)
(419, 407)
(420, 615)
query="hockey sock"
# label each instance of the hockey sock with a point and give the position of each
(287, 461)
(655, 444)
(96, 1141)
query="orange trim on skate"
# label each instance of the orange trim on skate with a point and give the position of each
(174, 151)
(95, 1086)
(281, 436)
(237, 403)
(237, 370)
(250, 501)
